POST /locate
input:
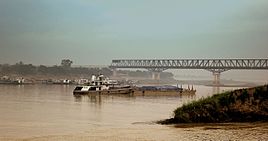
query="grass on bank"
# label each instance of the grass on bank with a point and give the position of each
(234, 106)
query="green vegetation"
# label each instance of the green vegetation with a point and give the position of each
(237, 106)
(65, 70)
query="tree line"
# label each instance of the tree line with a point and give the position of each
(29, 69)
(65, 69)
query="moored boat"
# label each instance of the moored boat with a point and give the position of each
(102, 85)
(17, 81)
(165, 90)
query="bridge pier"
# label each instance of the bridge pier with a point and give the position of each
(216, 75)
(215, 90)
(156, 72)
(216, 78)
(156, 75)
(114, 72)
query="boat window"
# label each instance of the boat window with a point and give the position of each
(93, 88)
(78, 88)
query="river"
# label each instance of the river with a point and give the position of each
(51, 112)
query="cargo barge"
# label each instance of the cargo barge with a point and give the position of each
(166, 90)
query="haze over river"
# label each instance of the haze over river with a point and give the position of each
(51, 112)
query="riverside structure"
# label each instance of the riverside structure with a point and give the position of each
(216, 66)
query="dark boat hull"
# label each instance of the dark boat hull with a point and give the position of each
(112, 91)
(163, 92)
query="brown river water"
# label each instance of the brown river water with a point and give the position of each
(52, 113)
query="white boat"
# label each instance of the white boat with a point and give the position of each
(102, 85)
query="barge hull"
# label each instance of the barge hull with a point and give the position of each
(162, 93)
(117, 91)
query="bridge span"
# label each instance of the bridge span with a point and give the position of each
(216, 66)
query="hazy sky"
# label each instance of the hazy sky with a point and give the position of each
(97, 31)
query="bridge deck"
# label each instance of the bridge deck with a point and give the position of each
(208, 64)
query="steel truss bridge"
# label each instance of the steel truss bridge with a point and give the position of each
(216, 66)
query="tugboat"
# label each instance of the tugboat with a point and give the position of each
(102, 85)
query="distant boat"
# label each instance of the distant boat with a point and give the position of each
(63, 82)
(7, 80)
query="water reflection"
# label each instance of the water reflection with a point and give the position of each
(94, 98)
(215, 89)
(97, 98)
(78, 98)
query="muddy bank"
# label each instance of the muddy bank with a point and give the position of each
(243, 105)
